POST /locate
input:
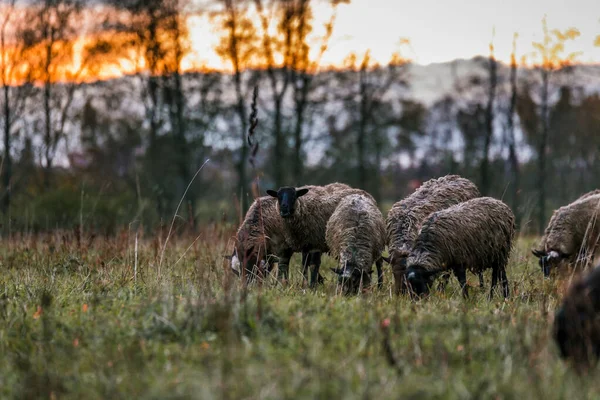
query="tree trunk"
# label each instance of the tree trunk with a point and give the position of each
(241, 166)
(279, 150)
(153, 151)
(7, 173)
(512, 151)
(541, 182)
(47, 136)
(298, 164)
(489, 127)
(361, 139)
(184, 152)
(376, 187)
(301, 100)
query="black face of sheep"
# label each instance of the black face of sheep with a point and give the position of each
(548, 261)
(420, 280)
(234, 262)
(351, 278)
(249, 261)
(286, 197)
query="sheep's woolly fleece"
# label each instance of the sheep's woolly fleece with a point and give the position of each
(264, 230)
(306, 228)
(476, 235)
(406, 216)
(356, 232)
(574, 230)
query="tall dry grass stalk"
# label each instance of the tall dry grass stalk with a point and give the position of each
(162, 254)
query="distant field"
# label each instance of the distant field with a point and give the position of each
(77, 322)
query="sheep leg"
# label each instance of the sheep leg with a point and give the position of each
(305, 263)
(481, 283)
(495, 274)
(283, 266)
(316, 260)
(379, 266)
(504, 279)
(315, 277)
(461, 275)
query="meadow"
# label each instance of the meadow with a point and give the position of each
(109, 318)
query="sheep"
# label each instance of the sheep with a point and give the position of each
(305, 212)
(572, 235)
(576, 327)
(476, 235)
(355, 236)
(261, 234)
(406, 216)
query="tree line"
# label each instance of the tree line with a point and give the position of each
(102, 153)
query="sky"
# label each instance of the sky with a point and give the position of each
(438, 30)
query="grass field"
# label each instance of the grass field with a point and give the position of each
(98, 320)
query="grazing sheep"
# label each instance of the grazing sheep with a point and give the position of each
(355, 236)
(305, 212)
(572, 235)
(262, 234)
(576, 328)
(406, 216)
(476, 235)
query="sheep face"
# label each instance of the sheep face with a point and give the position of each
(419, 280)
(247, 260)
(549, 261)
(286, 199)
(234, 262)
(351, 278)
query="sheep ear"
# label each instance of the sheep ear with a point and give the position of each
(387, 259)
(272, 193)
(538, 253)
(301, 192)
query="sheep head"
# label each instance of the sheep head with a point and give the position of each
(286, 199)
(548, 260)
(420, 280)
(244, 262)
(351, 278)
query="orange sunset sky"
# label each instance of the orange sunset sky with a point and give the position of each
(439, 30)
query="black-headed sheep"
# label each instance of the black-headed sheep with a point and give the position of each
(355, 236)
(572, 235)
(262, 234)
(576, 327)
(406, 216)
(474, 235)
(305, 212)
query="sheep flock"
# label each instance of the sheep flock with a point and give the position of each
(444, 227)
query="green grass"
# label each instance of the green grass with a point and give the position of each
(75, 324)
